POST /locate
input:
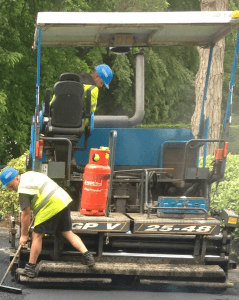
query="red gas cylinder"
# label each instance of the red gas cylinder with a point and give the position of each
(96, 183)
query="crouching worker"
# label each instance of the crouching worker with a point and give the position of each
(50, 205)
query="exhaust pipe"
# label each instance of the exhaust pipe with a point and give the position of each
(125, 121)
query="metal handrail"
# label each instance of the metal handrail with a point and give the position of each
(196, 141)
(112, 145)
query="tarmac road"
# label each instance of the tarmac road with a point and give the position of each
(104, 291)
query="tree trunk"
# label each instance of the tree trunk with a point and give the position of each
(214, 91)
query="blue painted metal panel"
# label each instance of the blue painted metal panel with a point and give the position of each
(134, 146)
(36, 133)
(205, 136)
(182, 202)
(32, 145)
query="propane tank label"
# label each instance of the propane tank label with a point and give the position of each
(93, 183)
(92, 190)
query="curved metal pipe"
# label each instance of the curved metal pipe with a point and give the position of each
(111, 122)
(139, 91)
(125, 121)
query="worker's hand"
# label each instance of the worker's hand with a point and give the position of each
(23, 240)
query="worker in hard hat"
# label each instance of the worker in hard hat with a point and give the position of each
(102, 75)
(50, 206)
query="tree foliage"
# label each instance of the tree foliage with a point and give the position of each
(169, 77)
(8, 58)
(7, 198)
(184, 5)
(139, 5)
(18, 69)
(169, 80)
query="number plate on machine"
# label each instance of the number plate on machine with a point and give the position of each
(176, 228)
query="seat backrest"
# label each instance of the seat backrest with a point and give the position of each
(69, 77)
(67, 108)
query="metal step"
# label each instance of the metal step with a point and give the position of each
(176, 274)
(223, 285)
(135, 269)
(90, 282)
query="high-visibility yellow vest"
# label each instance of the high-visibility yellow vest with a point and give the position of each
(94, 97)
(49, 198)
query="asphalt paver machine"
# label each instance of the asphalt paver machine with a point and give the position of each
(153, 219)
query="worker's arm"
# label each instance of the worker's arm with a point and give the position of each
(25, 223)
(24, 201)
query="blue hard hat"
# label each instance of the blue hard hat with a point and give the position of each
(105, 73)
(8, 175)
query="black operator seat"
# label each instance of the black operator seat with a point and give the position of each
(66, 112)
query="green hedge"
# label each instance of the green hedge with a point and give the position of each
(8, 198)
(227, 193)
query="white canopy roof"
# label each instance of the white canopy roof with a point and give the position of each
(108, 29)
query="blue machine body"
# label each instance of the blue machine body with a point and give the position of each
(183, 202)
(134, 146)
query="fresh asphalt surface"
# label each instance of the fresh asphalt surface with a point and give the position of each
(104, 291)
